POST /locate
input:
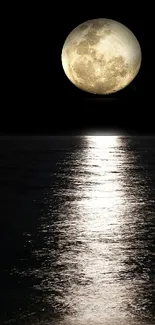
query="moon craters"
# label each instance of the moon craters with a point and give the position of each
(84, 70)
(83, 48)
(101, 56)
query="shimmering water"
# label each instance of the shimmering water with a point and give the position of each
(77, 230)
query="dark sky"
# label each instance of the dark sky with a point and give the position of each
(38, 96)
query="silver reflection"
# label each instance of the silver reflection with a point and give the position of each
(100, 300)
(90, 235)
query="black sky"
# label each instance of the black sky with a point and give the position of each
(38, 96)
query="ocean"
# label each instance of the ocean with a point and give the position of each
(77, 230)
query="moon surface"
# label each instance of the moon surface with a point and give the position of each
(101, 56)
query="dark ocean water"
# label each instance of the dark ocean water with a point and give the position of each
(77, 230)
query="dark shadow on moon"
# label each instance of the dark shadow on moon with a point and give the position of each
(129, 91)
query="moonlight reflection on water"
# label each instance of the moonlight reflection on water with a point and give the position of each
(101, 296)
(86, 255)
(91, 278)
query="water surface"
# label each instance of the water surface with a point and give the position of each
(77, 230)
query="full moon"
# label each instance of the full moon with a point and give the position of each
(101, 56)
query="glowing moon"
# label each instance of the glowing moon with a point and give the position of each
(101, 56)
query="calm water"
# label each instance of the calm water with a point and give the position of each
(77, 230)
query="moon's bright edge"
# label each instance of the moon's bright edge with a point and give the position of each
(101, 56)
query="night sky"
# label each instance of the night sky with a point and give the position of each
(40, 99)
